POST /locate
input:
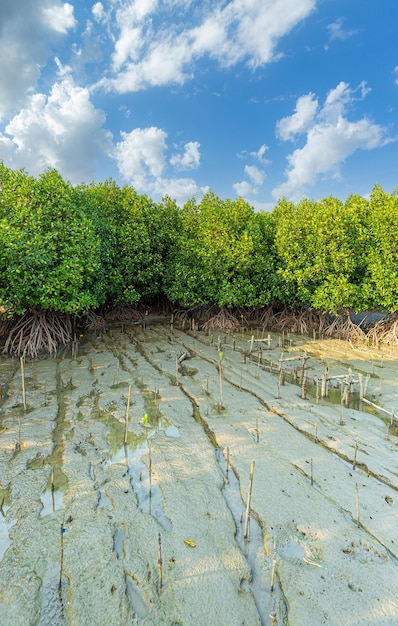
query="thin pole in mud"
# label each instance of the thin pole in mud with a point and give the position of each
(357, 503)
(316, 432)
(312, 472)
(360, 380)
(160, 563)
(52, 487)
(126, 419)
(354, 463)
(61, 560)
(257, 432)
(150, 469)
(249, 495)
(273, 565)
(220, 354)
(227, 466)
(22, 362)
(304, 387)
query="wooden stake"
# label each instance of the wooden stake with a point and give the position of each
(312, 471)
(126, 421)
(220, 368)
(160, 563)
(273, 565)
(61, 561)
(23, 382)
(354, 463)
(249, 495)
(150, 469)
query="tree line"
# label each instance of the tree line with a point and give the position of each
(72, 249)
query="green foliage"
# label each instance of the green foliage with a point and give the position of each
(49, 253)
(71, 249)
(381, 284)
(323, 247)
(222, 254)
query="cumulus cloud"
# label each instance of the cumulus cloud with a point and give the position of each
(301, 120)
(236, 31)
(59, 18)
(189, 159)
(28, 31)
(141, 157)
(330, 138)
(62, 130)
(248, 188)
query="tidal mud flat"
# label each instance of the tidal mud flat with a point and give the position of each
(125, 486)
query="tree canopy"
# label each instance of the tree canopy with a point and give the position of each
(72, 249)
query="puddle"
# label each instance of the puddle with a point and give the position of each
(267, 603)
(168, 428)
(135, 598)
(103, 500)
(118, 543)
(51, 501)
(293, 550)
(5, 526)
(142, 482)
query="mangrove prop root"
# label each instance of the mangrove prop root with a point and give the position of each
(223, 319)
(38, 332)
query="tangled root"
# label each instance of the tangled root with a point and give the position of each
(224, 319)
(38, 332)
(122, 313)
(344, 328)
(385, 331)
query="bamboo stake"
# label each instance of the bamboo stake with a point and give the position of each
(249, 495)
(52, 487)
(61, 561)
(150, 470)
(273, 565)
(220, 368)
(126, 420)
(354, 463)
(160, 563)
(23, 382)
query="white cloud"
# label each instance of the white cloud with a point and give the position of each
(238, 31)
(301, 120)
(337, 31)
(98, 12)
(28, 30)
(256, 176)
(250, 188)
(330, 138)
(244, 189)
(259, 155)
(59, 17)
(62, 130)
(142, 162)
(190, 159)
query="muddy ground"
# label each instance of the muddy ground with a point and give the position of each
(99, 525)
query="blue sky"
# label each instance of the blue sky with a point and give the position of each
(252, 98)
